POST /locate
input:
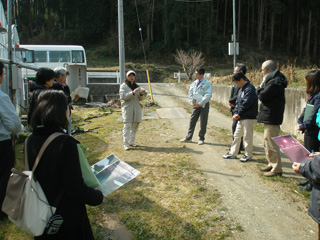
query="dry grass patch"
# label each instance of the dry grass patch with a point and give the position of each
(170, 199)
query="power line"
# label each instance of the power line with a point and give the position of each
(194, 1)
(140, 30)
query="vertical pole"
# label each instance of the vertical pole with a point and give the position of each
(121, 41)
(234, 35)
(150, 89)
(9, 15)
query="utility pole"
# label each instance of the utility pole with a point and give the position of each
(121, 41)
(9, 30)
(234, 35)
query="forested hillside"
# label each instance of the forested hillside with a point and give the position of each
(286, 26)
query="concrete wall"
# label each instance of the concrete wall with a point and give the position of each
(295, 102)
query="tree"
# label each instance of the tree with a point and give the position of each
(290, 25)
(190, 61)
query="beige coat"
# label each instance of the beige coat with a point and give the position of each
(130, 105)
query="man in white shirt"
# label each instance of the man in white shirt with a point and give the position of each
(200, 93)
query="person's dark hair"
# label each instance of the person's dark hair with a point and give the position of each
(1, 68)
(242, 68)
(201, 71)
(50, 110)
(313, 82)
(44, 75)
(238, 76)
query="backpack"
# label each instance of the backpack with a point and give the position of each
(25, 202)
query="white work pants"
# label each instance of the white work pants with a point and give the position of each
(129, 133)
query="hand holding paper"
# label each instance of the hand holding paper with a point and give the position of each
(292, 148)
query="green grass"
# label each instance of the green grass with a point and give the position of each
(170, 199)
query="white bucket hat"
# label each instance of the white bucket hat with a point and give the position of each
(129, 72)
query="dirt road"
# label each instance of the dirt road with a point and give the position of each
(265, 209)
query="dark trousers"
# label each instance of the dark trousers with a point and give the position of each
(203, 114)
(311, 142)
(234, 126)
(6, 163)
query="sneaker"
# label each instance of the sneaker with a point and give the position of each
(201, 142)
(132, 144)
(185, 140)
(126, 147)
(229, 156)
(245, 158)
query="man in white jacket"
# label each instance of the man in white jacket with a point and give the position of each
(10, 125)
(200, 93)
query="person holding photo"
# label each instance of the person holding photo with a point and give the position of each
(59, 171)
(310, 169)
(130, 96)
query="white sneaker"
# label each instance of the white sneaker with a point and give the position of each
(126, 147)
(185, 140)
(245, 158)
(133, 144)
(201, 142)
(229, 156)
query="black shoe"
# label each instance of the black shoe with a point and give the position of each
(303, 183)
(307, 187)
(3, 216)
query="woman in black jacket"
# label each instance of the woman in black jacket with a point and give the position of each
(59, 169)
(44, 80)
(307, 124)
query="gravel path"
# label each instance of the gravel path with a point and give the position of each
(264, 209)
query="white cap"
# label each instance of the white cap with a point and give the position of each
(129, 72)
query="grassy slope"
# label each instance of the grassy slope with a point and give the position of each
(168, 200)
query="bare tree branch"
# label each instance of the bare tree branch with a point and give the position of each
(190, 61)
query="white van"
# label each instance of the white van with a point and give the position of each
(53, 56)
(72, 57)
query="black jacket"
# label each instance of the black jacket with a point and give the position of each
(272, 98)
(247, 102)
(233, 96)
(59, 168)
(66, 90)
(311, 169)
(34, 91)
(309, 126)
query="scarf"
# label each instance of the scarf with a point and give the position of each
(132, 86)
(267, 77)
